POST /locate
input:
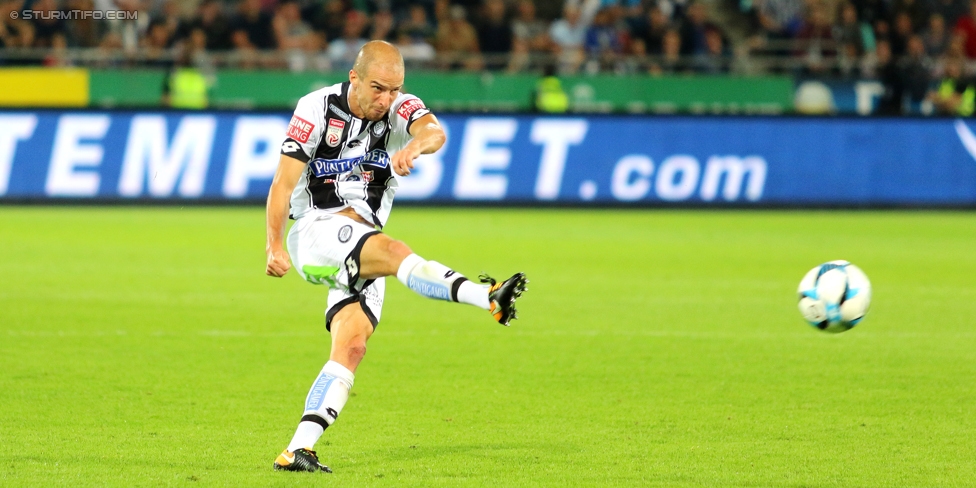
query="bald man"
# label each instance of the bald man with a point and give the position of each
(346, 147)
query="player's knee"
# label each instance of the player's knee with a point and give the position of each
(382, 256)
(356, 349)
(398, 250)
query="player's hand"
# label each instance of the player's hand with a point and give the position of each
(278, 263)
(402, 161)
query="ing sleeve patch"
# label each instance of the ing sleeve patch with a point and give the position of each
(408, 108)
(300, 129)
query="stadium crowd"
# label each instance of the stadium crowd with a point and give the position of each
(906, 44)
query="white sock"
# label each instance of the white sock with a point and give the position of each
(473, 294)
(322, 405)
(434, 280)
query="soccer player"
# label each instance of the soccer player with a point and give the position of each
(346, 146)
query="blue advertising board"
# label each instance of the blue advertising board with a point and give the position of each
(511, 159)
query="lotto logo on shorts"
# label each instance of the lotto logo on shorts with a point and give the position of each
(334, 132)
(300, 129)
(409, 107)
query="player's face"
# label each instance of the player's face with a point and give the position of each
(377, 90)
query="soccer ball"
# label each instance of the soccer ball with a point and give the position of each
(834, 296)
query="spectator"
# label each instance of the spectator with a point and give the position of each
(851, 31)
(777, 19)
(956, 95)
(670, 62)
(528, 29)
(46, 25)
(442, 13)
(457, 41)
(529, 37)
(329, 20)
(252, 27)
(343, 51)
(637, 62)
(108, 50)
(195, 47)
(674, 10)
(211, 20)
(915, 70)
(382, 28)
(715, 59)
(816, 40)
(291, 32)
(57, 56)
(890, 102)
(170, 16)
(635, 18)
(848, 60)
(966, 29)
(936, 36)
(415, 50)
(872, 11)
(653, 34)
(882, 30)
(416, 26)
(950, 10)
(917, 11)
(14, 32)
(83, 32)
(130, 30)
(569, 32)
(903, 30)
(495, 34)
(693, 29)
(603, 42)
(155, 46)
(244, 55)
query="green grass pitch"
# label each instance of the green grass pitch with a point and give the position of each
(145, 347)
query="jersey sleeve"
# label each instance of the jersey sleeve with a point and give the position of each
(304, 129)
(407, 109)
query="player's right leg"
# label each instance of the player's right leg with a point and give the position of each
(382, 255)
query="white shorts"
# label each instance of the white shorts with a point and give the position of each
(325, 250)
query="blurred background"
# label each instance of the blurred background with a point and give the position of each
(635, 102)
(809, 56)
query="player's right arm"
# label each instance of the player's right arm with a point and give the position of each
(285, 178)
(304, 133)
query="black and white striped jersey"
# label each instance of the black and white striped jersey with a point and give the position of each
(348, 158)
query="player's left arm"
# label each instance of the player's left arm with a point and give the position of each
(428, 137)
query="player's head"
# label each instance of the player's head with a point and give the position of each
(376, 79)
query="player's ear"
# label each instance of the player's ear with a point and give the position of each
(353, 78)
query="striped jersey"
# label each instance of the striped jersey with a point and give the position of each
(347, 158)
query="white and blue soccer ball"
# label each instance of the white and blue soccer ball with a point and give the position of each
(835, 296)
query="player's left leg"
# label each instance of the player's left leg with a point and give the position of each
(382, 255)
(351, 328)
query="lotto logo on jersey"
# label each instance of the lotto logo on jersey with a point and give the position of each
(299, 129)
(333, 134)
(409, 107)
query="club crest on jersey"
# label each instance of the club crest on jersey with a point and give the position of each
(379, 128)
(300, 129)
(345, 233)
(333, 134)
